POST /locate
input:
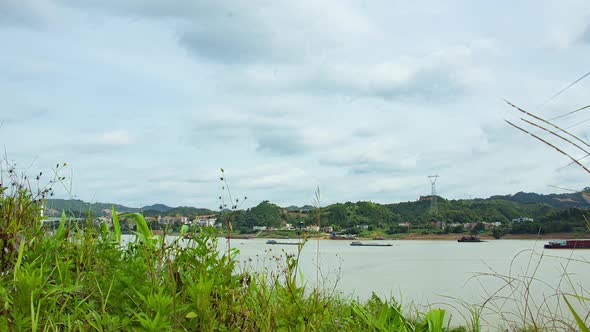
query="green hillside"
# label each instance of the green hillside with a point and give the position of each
(182, 211)
(551, 213)
(79, 208)
(569, 200)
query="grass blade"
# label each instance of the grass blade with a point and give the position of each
(19, 259)
(61, 230)
(581, 324)
(116, 225)
(142, 227)
(435, 320)
(183, 230)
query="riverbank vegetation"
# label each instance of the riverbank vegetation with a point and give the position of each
(82, 276)
(494, 216)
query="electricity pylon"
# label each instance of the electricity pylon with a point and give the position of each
(433, 206)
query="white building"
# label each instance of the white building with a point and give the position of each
(205, 220)
(312, 228)
(522, 219)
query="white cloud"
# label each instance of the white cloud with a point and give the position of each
(363, 99)
(115, 137)
(29, 13)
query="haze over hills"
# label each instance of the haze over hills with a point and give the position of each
(79, 207)
(157, 207)
(570, 200)
(76, 206)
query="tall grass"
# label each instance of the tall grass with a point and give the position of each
(83, 277)
(566, 143)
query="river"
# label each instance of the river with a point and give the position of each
(444, 274)
(517, 279)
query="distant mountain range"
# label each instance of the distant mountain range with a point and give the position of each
(157, 207)
(570, 200)
(304, 208)
(79, 207)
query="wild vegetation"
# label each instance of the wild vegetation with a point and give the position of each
(551, 214)
(83, 276)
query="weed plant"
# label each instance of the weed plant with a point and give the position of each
(85, 277)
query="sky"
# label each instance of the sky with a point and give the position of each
(146, 100)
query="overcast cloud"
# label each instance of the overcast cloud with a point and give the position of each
(146, 100)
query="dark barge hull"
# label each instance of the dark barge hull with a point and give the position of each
(470, 238)
(568, 244)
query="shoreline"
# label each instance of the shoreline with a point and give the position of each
(454, 237)
(437, 237)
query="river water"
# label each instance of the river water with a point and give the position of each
(445, 274)
(517, 280)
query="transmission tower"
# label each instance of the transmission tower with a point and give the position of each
(433, 206)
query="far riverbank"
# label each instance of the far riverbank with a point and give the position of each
(416, 236)
(449, 237)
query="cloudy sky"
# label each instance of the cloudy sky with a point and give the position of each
(146, 100)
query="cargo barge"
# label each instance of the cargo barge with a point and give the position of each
(361, 244)
(470, 239)
(569, 244)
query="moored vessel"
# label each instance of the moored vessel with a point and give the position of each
(361, 244)
(283, 243)
(471, 238)
(568, 244)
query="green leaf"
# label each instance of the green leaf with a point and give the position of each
(191, 315)
(104, 230)
(116, 225)
(183, 230)
(61, 230)
(435, 319)
(579, 320)
(19, 259)
(142, 227)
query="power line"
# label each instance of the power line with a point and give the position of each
(433, 206)
(566, 189)
(566, 88)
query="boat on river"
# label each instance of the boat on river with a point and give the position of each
(568, 244)
(470, 238)
(361, 244)
(283, 243)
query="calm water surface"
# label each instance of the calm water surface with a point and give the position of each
(422, 268)
(438, 273)
(435, 272)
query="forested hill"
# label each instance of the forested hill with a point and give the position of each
(80, 208)
(554, 212)
(570, 200)
(494, 209)
(183, 211)
(77, 207)
(157, 207)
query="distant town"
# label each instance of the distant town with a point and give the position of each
(521, 213)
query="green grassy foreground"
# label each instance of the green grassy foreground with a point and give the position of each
(80, 279)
